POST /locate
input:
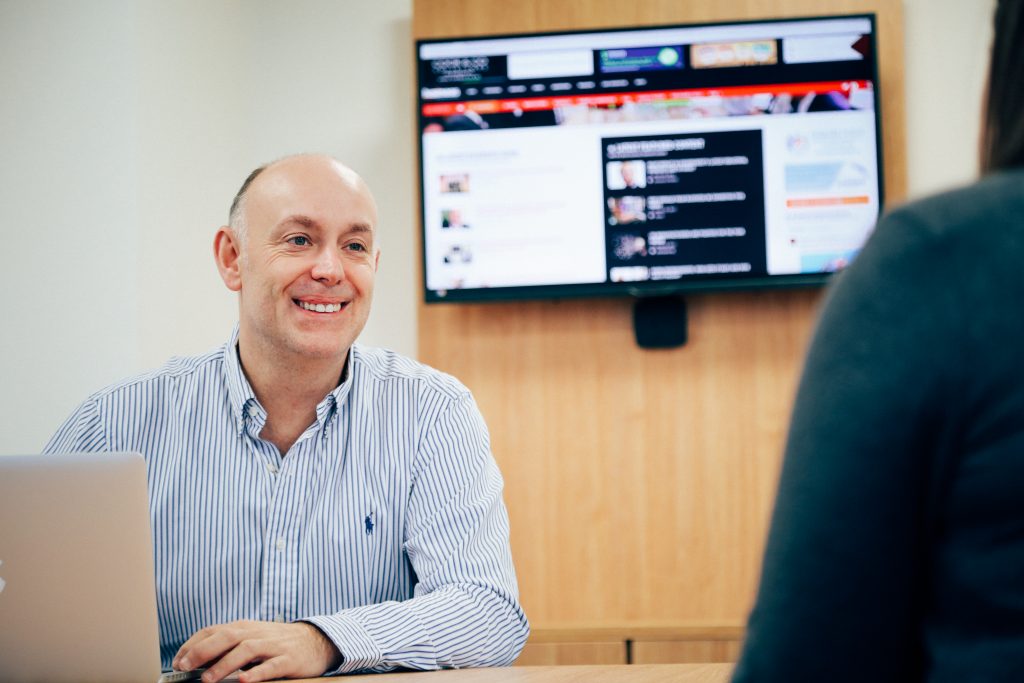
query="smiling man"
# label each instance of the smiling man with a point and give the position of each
(317, 507)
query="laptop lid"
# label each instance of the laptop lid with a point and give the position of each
(77, 593)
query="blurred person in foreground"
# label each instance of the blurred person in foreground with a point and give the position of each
(896, 549)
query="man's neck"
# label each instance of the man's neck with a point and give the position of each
(289, 389)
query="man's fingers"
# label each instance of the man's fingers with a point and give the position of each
(274, 650)
(208, 645)
(187, 646)
(269, 670)
(246, 652)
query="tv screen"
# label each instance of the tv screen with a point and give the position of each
(648, 160)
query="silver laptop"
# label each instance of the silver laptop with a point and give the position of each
(77, 593)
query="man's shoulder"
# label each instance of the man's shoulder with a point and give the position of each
(387, 366)
(177, 370)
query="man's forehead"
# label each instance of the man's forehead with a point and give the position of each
(309, 171)
(312, 184)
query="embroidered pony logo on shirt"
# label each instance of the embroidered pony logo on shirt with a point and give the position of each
(368, 523)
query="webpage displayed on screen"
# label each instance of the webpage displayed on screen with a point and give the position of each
(647, 156)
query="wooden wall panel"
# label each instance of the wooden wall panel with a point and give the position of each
(639, 483)
(686, 651)
(676, 644)
(550, 654)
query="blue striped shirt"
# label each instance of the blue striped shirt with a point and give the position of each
(384, 526)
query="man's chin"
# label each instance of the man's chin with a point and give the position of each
(324, 351)
(320, 344)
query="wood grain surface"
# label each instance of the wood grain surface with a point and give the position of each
(639, 483)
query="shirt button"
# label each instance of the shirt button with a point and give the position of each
(272, 468)
(280, 543)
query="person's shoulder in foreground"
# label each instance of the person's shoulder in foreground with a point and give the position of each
(355, 489)
(981, 211)
(894, 552)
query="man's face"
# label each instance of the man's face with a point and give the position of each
(308, 263)
(628, 177)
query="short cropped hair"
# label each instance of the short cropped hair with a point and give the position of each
(236, 215)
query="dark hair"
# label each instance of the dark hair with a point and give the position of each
(236, 203)
(1003, 131)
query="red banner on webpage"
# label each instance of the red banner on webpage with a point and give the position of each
(618, 99)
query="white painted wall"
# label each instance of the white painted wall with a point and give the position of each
(947, 53)
(126, 126)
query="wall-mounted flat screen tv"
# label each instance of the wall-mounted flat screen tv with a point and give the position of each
(647, 161)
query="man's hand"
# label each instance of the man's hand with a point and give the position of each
(273, 650)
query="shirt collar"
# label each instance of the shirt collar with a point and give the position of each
(327, 409)
(243, 398)
(240, 392)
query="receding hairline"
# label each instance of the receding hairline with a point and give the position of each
(235, 213)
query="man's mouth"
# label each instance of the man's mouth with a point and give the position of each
(319, 307)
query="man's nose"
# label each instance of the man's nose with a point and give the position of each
(328, 268)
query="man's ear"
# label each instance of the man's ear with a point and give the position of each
(376, 260)
(227, 253)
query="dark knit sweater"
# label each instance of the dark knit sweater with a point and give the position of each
(896, 550)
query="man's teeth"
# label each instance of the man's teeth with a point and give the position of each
(321, 308)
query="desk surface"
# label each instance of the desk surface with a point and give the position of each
(625, 673)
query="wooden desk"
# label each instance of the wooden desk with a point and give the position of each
(632, 673)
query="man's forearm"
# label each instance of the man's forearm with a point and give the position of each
(455, 626)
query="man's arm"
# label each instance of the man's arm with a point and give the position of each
(465, 609)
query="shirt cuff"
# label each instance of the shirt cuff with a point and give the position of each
(357, 648)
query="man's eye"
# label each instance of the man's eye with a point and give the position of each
(356, 246)
(299, 240)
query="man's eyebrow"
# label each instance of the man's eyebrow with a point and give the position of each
(363, 230)
(304, 221)
(313, 224)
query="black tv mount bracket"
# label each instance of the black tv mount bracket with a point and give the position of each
(659, 322)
